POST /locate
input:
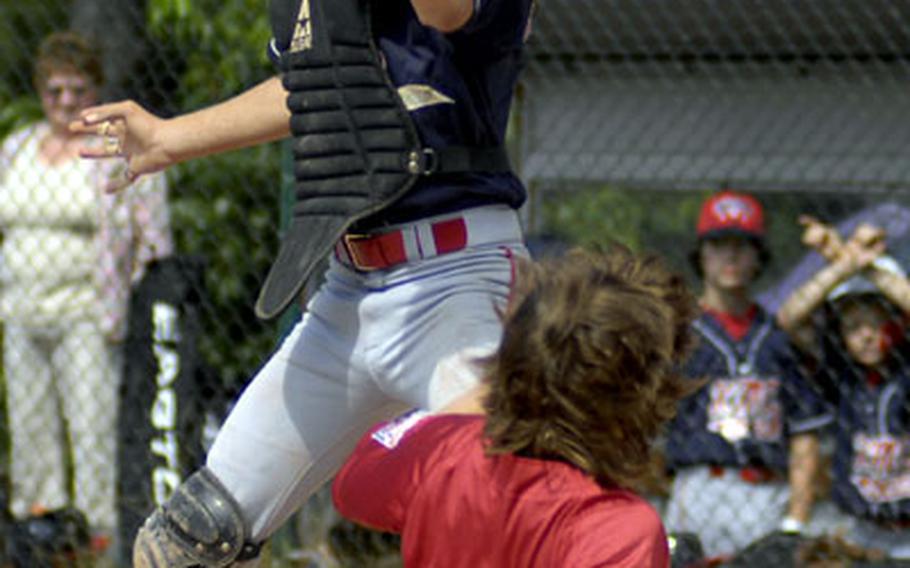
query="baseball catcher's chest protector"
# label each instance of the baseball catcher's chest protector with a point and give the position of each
(356, 149)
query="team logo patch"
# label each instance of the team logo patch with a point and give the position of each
(303, 29)
(881, 467)
(733, 208)
(392, 433)
(419, 96)
(745, 407)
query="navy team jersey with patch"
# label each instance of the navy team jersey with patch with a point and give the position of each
(872, 450)
(755, 398)
(458, 88)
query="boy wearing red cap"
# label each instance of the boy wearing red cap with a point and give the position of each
(730, 444)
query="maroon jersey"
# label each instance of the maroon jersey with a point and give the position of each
(427, 477)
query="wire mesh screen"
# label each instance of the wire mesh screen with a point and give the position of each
(632, 114)
(628, 116)
(776, 95)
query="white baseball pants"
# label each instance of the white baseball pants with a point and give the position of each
(369, 346)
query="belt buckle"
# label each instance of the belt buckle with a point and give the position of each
(348, 239)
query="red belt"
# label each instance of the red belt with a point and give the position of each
(385, 250)
(752, 474)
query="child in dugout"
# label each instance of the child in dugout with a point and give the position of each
(534, 468)
(741, 448)
(860, 301)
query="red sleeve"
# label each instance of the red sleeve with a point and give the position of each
(375, 484)
(629, 536)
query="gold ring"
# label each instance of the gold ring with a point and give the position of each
(113, 145)
(105, 128)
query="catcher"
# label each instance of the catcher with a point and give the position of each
(399, 110)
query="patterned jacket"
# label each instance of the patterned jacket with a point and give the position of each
(132, 229)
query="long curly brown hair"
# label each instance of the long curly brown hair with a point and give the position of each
(586, 371)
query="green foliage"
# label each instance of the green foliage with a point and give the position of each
(597, 216)
(664, 221)
(17, 113)
(22, 25)
(638, 218)
(225, 208)
(223, 44)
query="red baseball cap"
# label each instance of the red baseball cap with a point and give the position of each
(731, 213)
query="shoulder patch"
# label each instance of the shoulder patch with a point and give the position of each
(416, 97)
(303, 29)
(392, 433)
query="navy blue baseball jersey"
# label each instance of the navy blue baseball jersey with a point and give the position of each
(458, 88)
(755, 398)
(872, 450)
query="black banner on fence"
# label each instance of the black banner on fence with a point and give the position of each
(162, 404)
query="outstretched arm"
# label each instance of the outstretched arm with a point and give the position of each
(860, 254)
(867, 248)
(794, 314)
(796, 310)
(894, 286)
(151, 144)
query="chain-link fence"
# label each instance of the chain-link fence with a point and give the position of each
(632, 113)
(628, 116)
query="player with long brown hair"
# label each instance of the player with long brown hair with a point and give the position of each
(535, 467)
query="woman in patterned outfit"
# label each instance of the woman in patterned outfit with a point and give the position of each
(70, 253)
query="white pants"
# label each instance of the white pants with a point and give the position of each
(726, 512)
(369, 346)
(62, 397)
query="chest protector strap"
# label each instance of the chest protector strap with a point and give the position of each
(356, 149)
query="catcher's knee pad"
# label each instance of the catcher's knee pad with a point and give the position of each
(199, 525)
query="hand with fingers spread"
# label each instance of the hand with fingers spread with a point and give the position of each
(150, 144)
(127, 131)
